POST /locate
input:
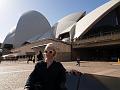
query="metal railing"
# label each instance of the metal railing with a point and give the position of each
(101, 38)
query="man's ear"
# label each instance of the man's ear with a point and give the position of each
(54, 53)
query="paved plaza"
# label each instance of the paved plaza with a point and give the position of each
(13, 75)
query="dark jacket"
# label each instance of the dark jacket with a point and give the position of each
(52, 78)
(40, 56)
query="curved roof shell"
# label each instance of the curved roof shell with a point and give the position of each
(9, 39)
(88, 21)
(29, 25)
(66, 22)
(47, 35)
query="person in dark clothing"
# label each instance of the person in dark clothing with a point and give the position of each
(78, 61)
(33, 58)
(47, 74)
(29, 59)
(40, 56)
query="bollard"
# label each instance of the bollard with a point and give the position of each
(118, 61)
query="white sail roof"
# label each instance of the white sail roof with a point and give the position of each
(66, 22)
(93, 17)
(9, 39)
(31, 24)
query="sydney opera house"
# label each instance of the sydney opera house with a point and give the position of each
(94, 35)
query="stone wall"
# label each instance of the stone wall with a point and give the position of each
(63, 49)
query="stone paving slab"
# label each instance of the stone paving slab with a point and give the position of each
(13, 75)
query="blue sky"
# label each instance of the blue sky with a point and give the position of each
(53, 10)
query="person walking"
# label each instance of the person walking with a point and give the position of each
(33, 58)
(78, 61)
(40, 56)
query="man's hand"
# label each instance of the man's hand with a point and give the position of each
(75, 72)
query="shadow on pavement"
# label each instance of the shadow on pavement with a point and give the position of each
(92, 82)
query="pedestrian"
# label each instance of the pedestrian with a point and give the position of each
(48, 74)
(29, 59)
(40, 56)
(78, 61)
(33, 58)
(0, 60)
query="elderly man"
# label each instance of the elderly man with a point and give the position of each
(47, 74)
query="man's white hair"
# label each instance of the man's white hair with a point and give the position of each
(52, 46)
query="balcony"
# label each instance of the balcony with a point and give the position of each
(105, 39)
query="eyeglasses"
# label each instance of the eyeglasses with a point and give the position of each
(48, 51)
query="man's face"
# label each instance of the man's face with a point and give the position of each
(49, 53)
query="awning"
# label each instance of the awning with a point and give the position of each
(68, 29)
(13, 55)
(38, 46)
(10, 55)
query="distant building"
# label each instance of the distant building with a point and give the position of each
(63, 49)
(0, 44)
(65, 27)
(95, 35)
(31, 25)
